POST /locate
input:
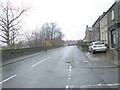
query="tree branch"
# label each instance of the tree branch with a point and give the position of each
(18, 16)
(3, 37)
(3, 41)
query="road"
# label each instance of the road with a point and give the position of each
(65, 67)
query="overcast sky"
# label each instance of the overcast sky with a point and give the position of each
(71, 15)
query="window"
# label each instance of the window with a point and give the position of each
(106, 38)
(113, 39)
(113, 14)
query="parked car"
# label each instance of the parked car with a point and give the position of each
(97, 47)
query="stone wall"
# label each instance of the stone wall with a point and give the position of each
(13, 53)
(112, 54)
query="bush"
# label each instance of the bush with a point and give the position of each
(83, 45)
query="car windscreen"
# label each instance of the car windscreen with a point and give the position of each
(99, 43)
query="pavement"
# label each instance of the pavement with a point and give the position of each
(100, 56)
(98, 60)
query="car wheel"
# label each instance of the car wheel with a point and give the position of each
(105, 51)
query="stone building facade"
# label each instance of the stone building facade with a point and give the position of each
(88, 34)
(113, 22)
(96, 30)
(107, 28)
(104, 28)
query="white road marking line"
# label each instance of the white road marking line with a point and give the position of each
(67, 86)
(103, 67)
(69, 74)
(69, 78)
(85, 61)
(108, 66)
(8, 79)
(95, 85)
(72, 86)
(70, 67)
(115, 84)
(40, 62)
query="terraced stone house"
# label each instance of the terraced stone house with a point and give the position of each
(113, 24)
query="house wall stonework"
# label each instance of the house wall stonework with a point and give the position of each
(114, 31)
(104, 28)
(119, 33)
(88, 34)
(96, 30)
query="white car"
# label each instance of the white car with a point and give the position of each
(97, 46)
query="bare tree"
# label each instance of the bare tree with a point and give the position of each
(9, 22)
(35, 38)
(28, 39)
(53, 28)
(14, 34)
(52, 33)
(49, 34)
(46, 30)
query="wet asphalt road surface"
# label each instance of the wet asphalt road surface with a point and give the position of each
(66, 67)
